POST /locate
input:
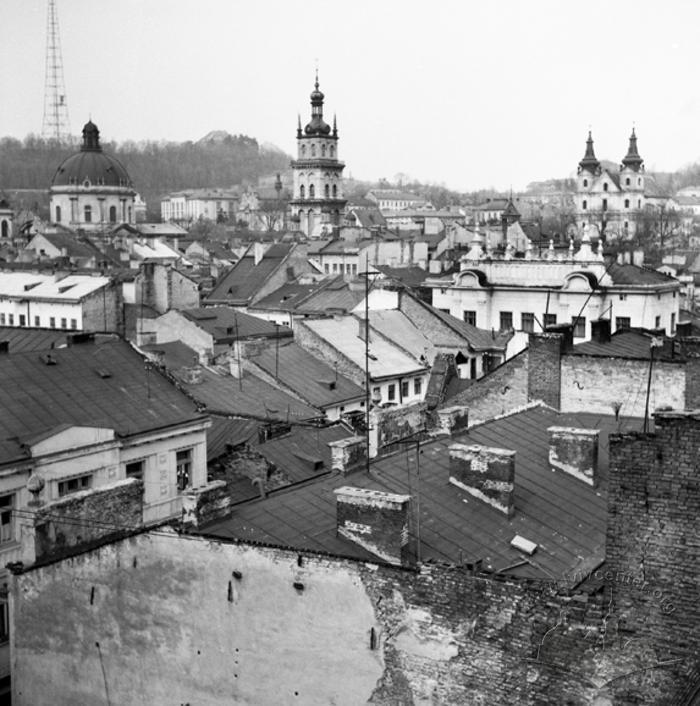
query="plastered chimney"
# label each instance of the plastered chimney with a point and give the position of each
(486, 473)
(574, 451)
(349, 453)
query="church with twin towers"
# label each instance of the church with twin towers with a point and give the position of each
(317, 202)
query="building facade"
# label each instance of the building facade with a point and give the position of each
(92, 190)
(317, 201)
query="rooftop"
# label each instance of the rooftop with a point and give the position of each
(31, 285)
(564, 516)
(92, 384)
(226, 324)
(634, 344)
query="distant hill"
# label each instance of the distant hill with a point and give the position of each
(156, 168)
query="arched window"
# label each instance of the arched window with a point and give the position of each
(627, 181)
(323, 150)
(302, 192)
(585, 204)
(585, 182)
(313, 150)
(311, 191)
(58, 214)
(335, 190)
(303, 150)
(326, 191)
(639, 203)
(112, 214)
(5, 230)
(88, 213)
(627, 203)
(605, 204)
(605, 186)
(639, 182)
(332, 151)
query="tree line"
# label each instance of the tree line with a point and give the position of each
(156, 168)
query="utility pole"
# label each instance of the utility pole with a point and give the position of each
(55, 125)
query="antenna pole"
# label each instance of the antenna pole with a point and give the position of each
(367, 392)
(55, 125)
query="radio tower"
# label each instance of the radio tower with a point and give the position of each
(56, 125)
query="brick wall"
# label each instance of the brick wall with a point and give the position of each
(182, 620)
(82, 519)
(502, 390)
(544, 368)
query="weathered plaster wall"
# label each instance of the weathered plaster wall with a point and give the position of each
(597, 385)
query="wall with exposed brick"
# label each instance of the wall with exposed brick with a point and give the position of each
(502, 390)
(598, 385)
(182, 620)
(544, 368)
(390, 425)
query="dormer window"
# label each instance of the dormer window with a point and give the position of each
(86, 183)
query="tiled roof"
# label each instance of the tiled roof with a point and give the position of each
(310, 378)
(386, 359)
(369, 217)
(632, 274)
(245, 278)
(287, 297)
(225, 323)
(564, 516)
(90, 384)
(73, 246)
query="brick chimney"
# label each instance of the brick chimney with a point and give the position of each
(347, 454)
(374, 520)
(600, 330)
(452, 419)
(486, 473)
(544, 367)
(574, 451)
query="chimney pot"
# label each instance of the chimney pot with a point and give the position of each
(574, 451)
(486, 473)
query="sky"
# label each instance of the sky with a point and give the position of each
(469, 95)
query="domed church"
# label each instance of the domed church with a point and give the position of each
(91, 190)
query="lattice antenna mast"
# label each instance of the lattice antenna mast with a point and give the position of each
(56, 125)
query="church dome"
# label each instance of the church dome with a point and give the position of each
(91, 164)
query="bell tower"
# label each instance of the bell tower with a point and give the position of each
(317, 202)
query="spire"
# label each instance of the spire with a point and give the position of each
(589, 162)
(335, 127)
(632, 158)
(298, 125)
(317, 125)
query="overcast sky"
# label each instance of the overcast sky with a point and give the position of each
(472, 95)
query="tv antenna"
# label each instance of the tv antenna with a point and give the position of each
(55, 125)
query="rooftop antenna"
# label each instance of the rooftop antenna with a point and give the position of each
(55, 125)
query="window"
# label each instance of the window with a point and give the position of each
(22, 320)
(605, 186)
(506, 320)
(657, 322)
(302, 192)
(312, 191)
(673, 323)
(11, 319)
(135, 469)
(627, 203)
(4, 622)
(183, 462)
(639, 181)
(332, 151)
(627, 181)
(7, 503)
(470, 317)
(313, 150)
(326, 268)
(323, 150)
(37, 321)
(74, 323)
(639, 203)
(58, 214)
(112, 214)
(327, 191)
(88, 213)
(404, 389)
(335, 190)
(527, 321)
(549, 320)
(376, 393)
(622, 322)
(579, 326)
(585, 183)
(2, 319)
(605, 204)
(73, 485)
(303, 150)
(64, 323)
(52, 322)
(585, 204)
(417, 386)
(391, 392)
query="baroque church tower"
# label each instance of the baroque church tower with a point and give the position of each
(317, 203)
